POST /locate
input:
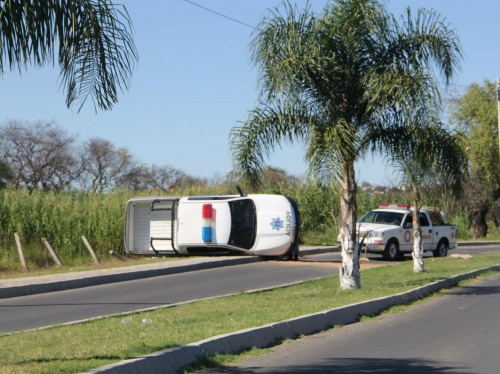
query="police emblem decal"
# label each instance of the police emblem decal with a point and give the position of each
(276, 224)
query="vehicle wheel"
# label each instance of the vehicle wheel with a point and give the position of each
(391, 251)
(293, 253)
(441, 250)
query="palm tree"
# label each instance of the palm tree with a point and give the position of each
(344, 83)
(438, 162)
(91, 40)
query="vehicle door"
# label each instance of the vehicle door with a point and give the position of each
(427, 236)
(406, 244)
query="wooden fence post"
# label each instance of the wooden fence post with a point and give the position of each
(20, 250)
(51, 251)
(89, 248)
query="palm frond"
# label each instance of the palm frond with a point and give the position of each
(96, 51)
(330, 147)
(265, 129)
(428, 40)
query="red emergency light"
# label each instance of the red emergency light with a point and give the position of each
(395, 206)
(206, 225)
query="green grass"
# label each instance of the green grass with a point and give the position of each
(326, 237)
(76, 348)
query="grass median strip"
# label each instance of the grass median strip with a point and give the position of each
(76, 348)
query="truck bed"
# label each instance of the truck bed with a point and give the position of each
(150, 226)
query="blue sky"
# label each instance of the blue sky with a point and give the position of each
(194, 82)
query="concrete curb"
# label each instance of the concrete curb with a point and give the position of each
(174, 359)
(477, 243)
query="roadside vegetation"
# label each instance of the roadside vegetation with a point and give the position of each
(64, 217)
(83, 346)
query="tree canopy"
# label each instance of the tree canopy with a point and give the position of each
(346, 82)
(91, 40)
(475, 113)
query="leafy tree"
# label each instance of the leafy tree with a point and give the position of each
(167, 177)
(475, 113)
(104, 165)
(141, 177)
(137, 178)
(346, 83)
(41, 155)
(91, 40)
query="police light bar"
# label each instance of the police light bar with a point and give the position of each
(206, 225)
(395, 206)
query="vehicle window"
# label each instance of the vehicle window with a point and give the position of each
(243, 223)
(369, 217)
(387, 218)
(423, 220)
(383, 217)
(394, 218)
(436, 218)
(408, 221)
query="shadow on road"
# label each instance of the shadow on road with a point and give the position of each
(355, 365)
(474, 291)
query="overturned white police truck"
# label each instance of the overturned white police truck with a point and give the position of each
(260, 224)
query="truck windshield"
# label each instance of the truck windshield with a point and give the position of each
(243, 223)
(387, 218)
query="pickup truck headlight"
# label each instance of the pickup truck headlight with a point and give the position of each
(376, 234)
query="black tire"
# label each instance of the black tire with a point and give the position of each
(441, 249)
(391, 251)
(293, 252)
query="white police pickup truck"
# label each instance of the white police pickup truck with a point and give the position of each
(389, 231)
(261, 224)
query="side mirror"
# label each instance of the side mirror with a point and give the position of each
(409, 225)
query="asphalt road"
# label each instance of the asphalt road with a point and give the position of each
(40, 310)
(27, 312)
(456, 333)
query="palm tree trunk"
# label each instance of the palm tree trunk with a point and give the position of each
(418, 248)
(349, 270)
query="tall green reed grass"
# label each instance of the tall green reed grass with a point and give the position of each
(64, 217)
